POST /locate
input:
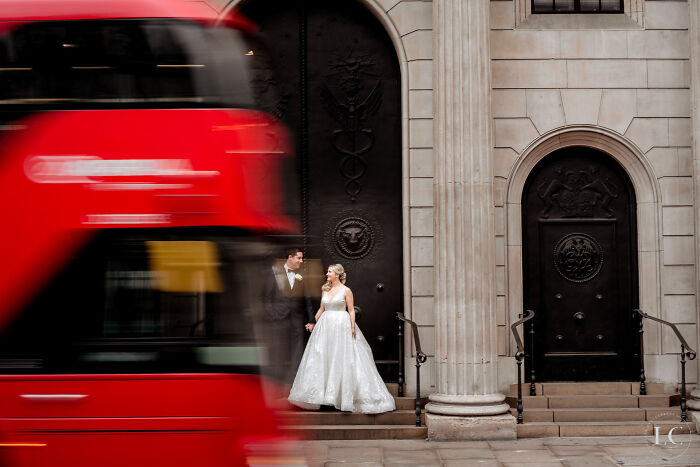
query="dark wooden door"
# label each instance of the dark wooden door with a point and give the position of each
(338, 80)
(580, 267)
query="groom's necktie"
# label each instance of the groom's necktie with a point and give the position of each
(290, 277)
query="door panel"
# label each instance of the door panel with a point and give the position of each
(580, 267)
(339, 84)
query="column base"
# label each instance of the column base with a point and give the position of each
(453, 428)
(694, 418)
(694, 401)
(467, 405)
(694, 408)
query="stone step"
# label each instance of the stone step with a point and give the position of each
(394, 388)
(409, 403)
(529, 402)
(397, 417)
(361, 432)
(402, 403)
(600, 415)
(595, 401)
(585, 429)
(664, 413)
(567, 389)
(535, 415)
(605, 388)
(538, 430)
(605, 429)
(600, 401)
(659, 400)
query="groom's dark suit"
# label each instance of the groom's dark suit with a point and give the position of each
(287, 310)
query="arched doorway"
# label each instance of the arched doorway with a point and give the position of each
(580, 267)
(338, 79)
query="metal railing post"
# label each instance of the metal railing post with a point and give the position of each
(642, 375)
(686, 351)
(418, 407)
(519, 355)
(684, 406)
(401, 360)
(420, 358)
(533, 389)
(519, 361)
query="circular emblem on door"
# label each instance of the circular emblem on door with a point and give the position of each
(353, 237)
(578, 257)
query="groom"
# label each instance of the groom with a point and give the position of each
(287, 312)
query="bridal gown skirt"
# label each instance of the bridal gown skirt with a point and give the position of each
(338, 370)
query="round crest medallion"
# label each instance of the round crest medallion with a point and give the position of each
(353, 237)
(578, 257)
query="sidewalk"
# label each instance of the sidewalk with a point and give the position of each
(544, 452)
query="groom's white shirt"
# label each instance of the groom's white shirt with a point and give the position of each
(290, 275)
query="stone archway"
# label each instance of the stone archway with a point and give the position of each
(381, 14)
(648, 212)
(580, 267)
(340, 94)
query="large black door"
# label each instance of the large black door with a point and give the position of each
(580, 267)
(338, 80)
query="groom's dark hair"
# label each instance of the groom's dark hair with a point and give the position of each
(292, 251)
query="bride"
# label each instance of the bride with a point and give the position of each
(338, 367)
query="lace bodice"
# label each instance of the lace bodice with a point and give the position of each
(336, 302)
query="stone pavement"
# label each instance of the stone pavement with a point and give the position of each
(543, 452)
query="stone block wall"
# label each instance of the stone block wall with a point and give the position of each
(413, 21)
(626, 74)
(630, 76)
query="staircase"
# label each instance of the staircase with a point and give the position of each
(558, 410)
(597, 409)
(333, 424)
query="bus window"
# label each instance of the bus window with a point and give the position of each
(108, 63)
(142, 301)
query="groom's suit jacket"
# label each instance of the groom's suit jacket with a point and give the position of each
(283, 301)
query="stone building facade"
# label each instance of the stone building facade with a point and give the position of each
(489, 90)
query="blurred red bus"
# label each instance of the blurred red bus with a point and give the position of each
(137, 177)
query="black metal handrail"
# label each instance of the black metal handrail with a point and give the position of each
(420, 358)
(519, 355)
(400, 379)
(686, 351)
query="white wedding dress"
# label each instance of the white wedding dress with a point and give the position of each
(338, 370)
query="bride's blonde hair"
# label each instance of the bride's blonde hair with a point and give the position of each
(338, 269)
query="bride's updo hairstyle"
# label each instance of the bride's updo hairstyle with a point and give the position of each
(342, 277)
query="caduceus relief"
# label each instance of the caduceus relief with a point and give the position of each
(353, 139)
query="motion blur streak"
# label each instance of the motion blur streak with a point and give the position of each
(142, 182)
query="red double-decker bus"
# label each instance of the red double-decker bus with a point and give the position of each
(137, 179)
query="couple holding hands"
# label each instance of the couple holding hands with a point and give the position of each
(337, 367)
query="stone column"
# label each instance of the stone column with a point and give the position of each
(694, 11)
(467, 404)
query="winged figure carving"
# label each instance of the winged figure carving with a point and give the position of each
(350, 113)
